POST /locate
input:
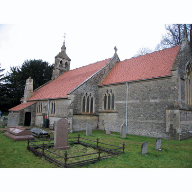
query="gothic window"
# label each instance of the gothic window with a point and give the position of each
(39, 107)
(66, 65)
(188, 85)
(88, 103)
(52, 105)
(109, 100)
(60, 63)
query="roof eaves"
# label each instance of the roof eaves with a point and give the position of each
(45, 99)
(135, 80)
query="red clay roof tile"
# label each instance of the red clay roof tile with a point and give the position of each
(21, 106)
(156, 64)
(60, 87)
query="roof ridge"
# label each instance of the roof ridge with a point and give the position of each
(88, 64)
(152, 52)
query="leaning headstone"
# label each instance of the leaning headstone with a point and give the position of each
(144, 148)
(158, 144)
(88, 129)
(123, 131)
(61, 134)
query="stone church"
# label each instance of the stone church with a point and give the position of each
(151, 94)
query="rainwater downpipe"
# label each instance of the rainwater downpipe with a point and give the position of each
(127, 85)
(48, 108)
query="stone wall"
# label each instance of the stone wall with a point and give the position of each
(147, 104)
(113, 119)
(61, 111)
(80, 121)
(89, 86)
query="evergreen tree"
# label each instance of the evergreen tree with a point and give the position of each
(40, 71)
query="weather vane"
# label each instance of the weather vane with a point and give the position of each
(64, 36)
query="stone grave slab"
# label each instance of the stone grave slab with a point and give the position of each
(88, 129)
(18, 134)
(61, 134)
(158, 144)
(39, 132)
(108, 132)
(144, 148)
(123, 131)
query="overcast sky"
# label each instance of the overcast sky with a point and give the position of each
(35, 30)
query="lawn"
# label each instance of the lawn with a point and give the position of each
(174, 154)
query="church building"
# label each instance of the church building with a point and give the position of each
(151, 94)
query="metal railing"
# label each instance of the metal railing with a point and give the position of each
(103, 151)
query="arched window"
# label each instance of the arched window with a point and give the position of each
(66, 65)
(88, 103)
(61, 64)
(39, 107)
(109, 101)
(188, 85)
(105, 102)
(52, 104)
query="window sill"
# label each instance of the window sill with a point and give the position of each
(108, 111)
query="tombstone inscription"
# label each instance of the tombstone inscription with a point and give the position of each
(61, 134)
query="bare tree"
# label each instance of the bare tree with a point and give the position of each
(143, 51)
(175, 35)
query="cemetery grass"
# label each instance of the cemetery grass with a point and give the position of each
(174, 154)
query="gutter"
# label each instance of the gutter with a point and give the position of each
(136, 80)
(48, 103)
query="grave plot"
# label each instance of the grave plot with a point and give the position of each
(80, 152)
(18, 133)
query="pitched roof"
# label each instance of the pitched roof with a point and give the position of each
(21, 106)
(156, 64)
(60, 87)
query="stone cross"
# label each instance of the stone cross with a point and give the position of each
(61, 134)
(158, 144)
(144, 148)
(123, 131)
(115, 49)
(88, 129)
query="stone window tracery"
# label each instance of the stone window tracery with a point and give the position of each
(52, 105)
(88, 103)
(188, 85)
(109, 100)
(39, 107)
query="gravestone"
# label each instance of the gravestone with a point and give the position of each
(123, 131)
(88, 129)
(158, 144)
(61, 134)
(108, 132)
(144, 148)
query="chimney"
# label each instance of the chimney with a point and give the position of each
(28, 92)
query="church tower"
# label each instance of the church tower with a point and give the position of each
(62, 63)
